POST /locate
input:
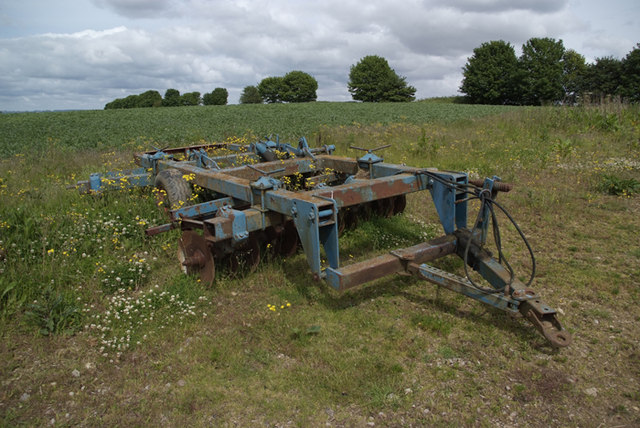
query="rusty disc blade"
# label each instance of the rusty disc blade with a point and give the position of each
(246, 257)
(342, 224)
(384, 207)
(195, 257)
(399, 204)
(288, 240)
(351, 218)
(364, 211)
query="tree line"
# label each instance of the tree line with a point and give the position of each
(546, 73)
(370, 80)
(172, 98)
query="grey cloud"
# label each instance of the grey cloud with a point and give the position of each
(604, 45)
(137, 8)
(537, 6)
(197, 45)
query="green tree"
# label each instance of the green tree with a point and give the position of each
(171, 98)
(574, 69)
(190, 99)
(145, 99)
(115, 104)
(541, 65)
(250, 95)
(490, 73)
(631, 75)
(373, 80)
(604, 77)
(149, 99)
(271, 89)
(298, 87)
(218, 97)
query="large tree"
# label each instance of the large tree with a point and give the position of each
(250, 95)
(218, 97)
(150, 99)
(191, 99)
(490, 73)
(373, 80)
(145, 99)
(574, 70)
(171, 98)
(541, 65)
(298, 87)
(604, 77)
(271, 89)
(631, 75)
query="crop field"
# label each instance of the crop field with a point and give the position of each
(99, 327)
(109, 129)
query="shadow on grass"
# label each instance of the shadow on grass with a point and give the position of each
(400, 285)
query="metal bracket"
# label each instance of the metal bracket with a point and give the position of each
(316, 225)
(239, 230)
(450, 204)
(265, 182)
(369, 159)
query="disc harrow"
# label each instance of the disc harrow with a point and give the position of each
(280, 197)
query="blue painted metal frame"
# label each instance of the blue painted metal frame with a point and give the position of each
(316, 220)
(138, 177)
(463, 286)
(317, 227)
(199, 210)
(450, 204)
(252, 199)
(314, 211)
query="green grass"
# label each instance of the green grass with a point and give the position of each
(82, 289)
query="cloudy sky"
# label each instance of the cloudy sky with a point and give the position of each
(81, 54)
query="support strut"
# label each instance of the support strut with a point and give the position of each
(510, 295)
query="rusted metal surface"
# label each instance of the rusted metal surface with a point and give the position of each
(155, 230)
(361, 191)
(288, 167)
(200, 210)
(524, 299)
(338, 163)
(545, 321)
(396, 261)
(195, 257)
(498, 185)
(220, 228)
(245, 257)
(184, 149)
(463, 286)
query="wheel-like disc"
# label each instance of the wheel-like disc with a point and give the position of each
(342, 220)
(399, 204)
(195, 257)
(246, 257)
(364, 211)
(384, 207)
(351, 217)
(288, 240)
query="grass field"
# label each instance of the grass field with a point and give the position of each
(99, 327)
